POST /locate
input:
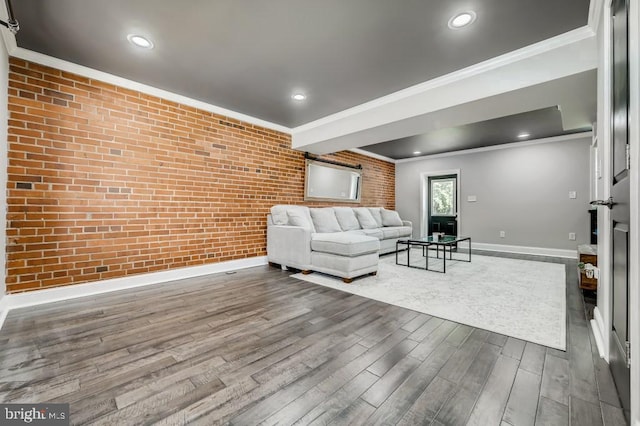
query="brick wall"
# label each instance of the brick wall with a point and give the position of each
(105, 182)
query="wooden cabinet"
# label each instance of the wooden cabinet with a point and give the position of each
(587, 253)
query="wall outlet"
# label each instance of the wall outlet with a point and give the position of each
(572, 236)
(596, 273)
(502, 234)
(573, 195)
(472, 198)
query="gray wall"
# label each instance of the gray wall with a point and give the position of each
(523, 191)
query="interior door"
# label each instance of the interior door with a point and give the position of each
(620, 193)
(443, 209)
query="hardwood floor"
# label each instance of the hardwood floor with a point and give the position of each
(259, 347)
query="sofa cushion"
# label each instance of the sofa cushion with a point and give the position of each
(376, 233)
(344, 243)
(375, 212)
(395, 232)
(298, 218)
(324, 220)
(282, 214)
(365, 218)
(390, 218)
(279, 214)
(346, 218)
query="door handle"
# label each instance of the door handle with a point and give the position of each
(609, 203)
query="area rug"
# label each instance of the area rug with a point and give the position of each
(517, 298)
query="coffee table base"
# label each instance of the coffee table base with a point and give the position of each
(425, 252)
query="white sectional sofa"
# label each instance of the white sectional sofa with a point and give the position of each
(341, 241)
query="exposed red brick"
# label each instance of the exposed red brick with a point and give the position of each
(125, 183)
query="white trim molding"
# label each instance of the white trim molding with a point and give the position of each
(597, 325)
(595, 11)
(4, 120)
(40, 297)
(634, 202)
(428, 105)
(552, 139)
(544, 46)
(50, 61)
(539, 251)
(604, 296)
(424, 198)
(4, 309)
(373, 155)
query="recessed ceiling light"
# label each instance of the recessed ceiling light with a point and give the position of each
(524, 135)
(298, 97)
(417, 152)
(462, 20)
(140, 41)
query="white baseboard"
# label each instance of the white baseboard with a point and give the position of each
(539, 251)
(597, 325)
(39, 297)
(596, 333)
(4, 309)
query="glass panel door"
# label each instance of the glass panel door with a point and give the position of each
(443, 197)
(443, 209)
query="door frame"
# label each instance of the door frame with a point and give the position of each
(602, 322)
(603, 312)
(424, 197)
(634, 201)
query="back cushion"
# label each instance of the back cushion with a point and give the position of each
(299, 218)
(324, 220)
(365, 218)
(285, 214)
(347, 218)
(390, 218)
(375, 212)
(279, 214)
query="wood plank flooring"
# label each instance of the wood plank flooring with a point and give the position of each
(259, 347)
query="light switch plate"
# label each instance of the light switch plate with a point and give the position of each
(572, 194)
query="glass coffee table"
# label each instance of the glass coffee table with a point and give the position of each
(446, 243)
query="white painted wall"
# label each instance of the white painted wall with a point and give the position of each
(523, 191)
(4, 78)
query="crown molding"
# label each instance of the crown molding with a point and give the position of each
(50, 61)
(9, 40)
(567, 38)
(373, 155)
(552, 139)
(544, 46)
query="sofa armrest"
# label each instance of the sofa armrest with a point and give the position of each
(408, 223)
(289, 246)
